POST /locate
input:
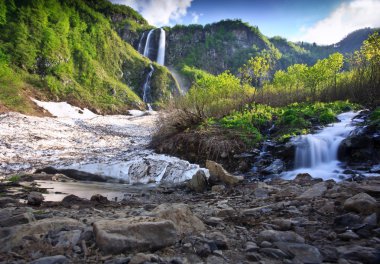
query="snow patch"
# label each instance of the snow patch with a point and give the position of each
(63, 109)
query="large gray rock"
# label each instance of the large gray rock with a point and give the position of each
(12, 237)
(12, 216)
(276, 167)
(361, 203)
(219, 174)
(358, 253)
(182, 217)
(302, 253)
(279, 236)
(35, 198)
(317, 190)
(198, 182)
(135, 233)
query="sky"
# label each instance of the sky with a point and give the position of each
(321, 21)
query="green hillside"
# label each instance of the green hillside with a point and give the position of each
(68, 50)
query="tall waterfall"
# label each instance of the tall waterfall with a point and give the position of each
(148, 44)
(149, 50)
(317, 154)
(161, 48)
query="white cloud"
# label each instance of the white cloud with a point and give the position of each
(195, 17)
(346, 18)
(159, 12)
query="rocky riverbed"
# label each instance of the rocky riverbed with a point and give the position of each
(305, 220)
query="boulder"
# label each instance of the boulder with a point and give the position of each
(280, 236)
(361, 203)
(317, 190)
(302, 253)
(198, 182)
(219, 174)
(276, 167)
(12, 237)
(182, 217)
(135, 233)
(12, 216)
(303, 179)
(35, 198)
(359, 253)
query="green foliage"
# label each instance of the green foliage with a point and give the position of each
(375, 117)
(14, 178)
(71, 52)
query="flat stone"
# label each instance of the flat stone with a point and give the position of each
(218, 173)
(182, 217)
(135, 233)
(59, 259)
(302, 253)
(279, 236)
(251, 247)
(317, 190)
(361, 203)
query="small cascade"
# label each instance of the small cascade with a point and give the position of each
(146, 88)
(148, 44)
(161, 48)
(317, 154)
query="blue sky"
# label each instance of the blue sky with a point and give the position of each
(320, 21)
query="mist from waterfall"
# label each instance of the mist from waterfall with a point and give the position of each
(317, 154)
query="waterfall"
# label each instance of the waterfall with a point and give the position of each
(146, 88)
(148, 44)
(140, 46)
(161, 48)
(317, 154)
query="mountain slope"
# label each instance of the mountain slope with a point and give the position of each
(66, 50)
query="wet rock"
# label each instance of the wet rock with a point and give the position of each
(59, 259)
(182, 217)
(276, 167)
(283, 224)
(359, 253)
(11, 216)
(219, 174)
(302, 253)
(279, 236)
(35, 198)
(198, 182)
(121, 260)
(68, 238)
(361, 203)
(255, 212)
(371, 220)
(99, 199)
(135, 233)
(317, 190)
(215, 260)
(73, 200)
(303, 179)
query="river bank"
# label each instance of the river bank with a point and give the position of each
(305, 220)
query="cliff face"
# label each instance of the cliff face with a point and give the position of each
(225, 45)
